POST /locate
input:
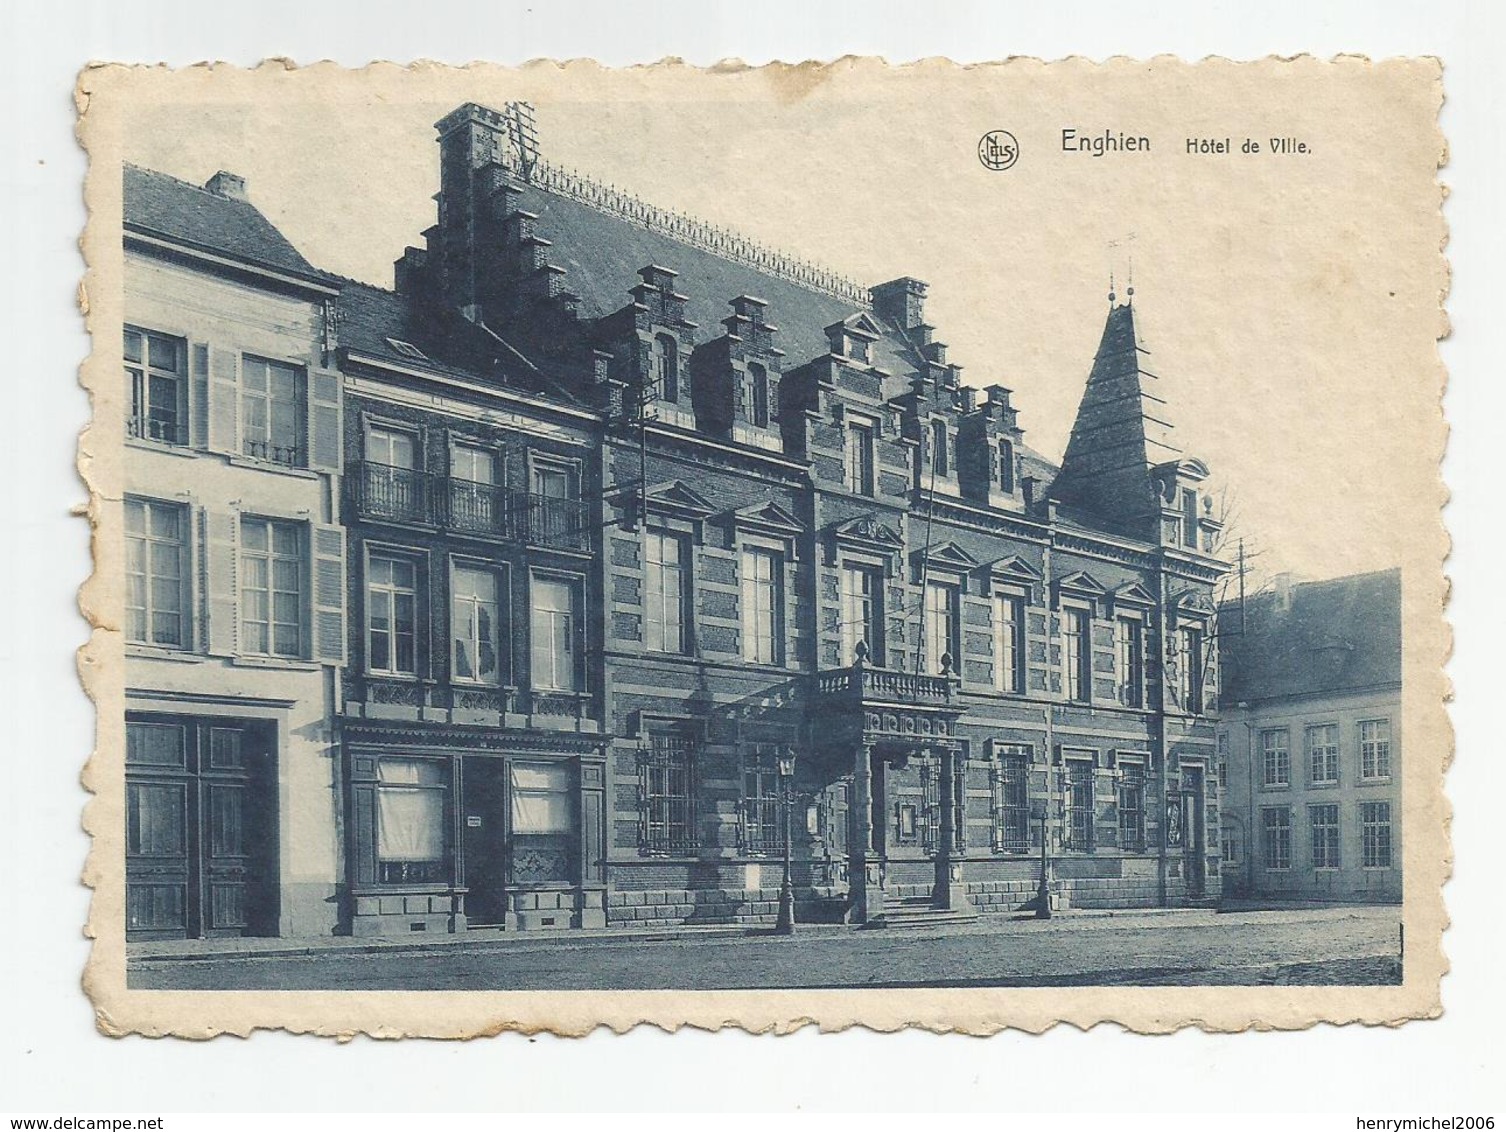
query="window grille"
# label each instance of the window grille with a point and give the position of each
(666, 803)
(761, 830)
(1325, 836)
(1078, 799)
(1132, 807)
(1375, 831)
(1011, 799)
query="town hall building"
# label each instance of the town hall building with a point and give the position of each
(661, 547)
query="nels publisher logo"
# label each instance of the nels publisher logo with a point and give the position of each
(998, 150)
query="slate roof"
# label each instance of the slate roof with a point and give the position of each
(1120, 431)
(602, 255)
(1340, 635)
(161, 205)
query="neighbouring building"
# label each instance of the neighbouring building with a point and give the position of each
(633, 510)
(1310, 740)
(234, 607)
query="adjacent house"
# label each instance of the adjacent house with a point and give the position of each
(1310, 740)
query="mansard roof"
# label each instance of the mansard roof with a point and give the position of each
(1334, 636)
(160, 205)
(602, 254)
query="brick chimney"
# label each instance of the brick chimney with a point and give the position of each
(231, 186)
(901, 301)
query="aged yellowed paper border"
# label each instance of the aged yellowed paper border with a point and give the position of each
(1385, 114)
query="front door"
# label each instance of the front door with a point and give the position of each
(1194, 838)
(484, 818)
(200, 827)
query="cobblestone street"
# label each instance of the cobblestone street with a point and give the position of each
(1350, 945)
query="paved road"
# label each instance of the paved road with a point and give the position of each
(1349, 945)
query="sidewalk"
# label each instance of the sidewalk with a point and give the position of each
(251, 947)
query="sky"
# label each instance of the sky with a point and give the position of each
(1289, 301)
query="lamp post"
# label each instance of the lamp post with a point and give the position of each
(785, 924)
(1043, 889)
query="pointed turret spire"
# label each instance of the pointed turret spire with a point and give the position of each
(1120, 434)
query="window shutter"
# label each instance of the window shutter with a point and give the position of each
(222, 581)
(329, 594)
(224, 400)
(198, 394)
(324, 420)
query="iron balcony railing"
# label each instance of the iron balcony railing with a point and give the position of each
(164, 429)
(380, 491)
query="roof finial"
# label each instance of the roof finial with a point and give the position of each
(1130, 290)
(1111, 287)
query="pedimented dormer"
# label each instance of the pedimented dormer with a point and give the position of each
(853, 337)
(1186, 509)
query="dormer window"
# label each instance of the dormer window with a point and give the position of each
(938, 448)
(857, 349)
(1006, 467)
(859, 445)
(667, 367)
(758, 379)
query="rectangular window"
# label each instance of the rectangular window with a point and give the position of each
(862, 613)
(1323, 754)
(1189, 518)
(1011, 803)
(762, 824)
(1325, 836)
(392, 615)
(273, 411)
(1192, 669)
(411, 842)
(1009, 643)
(157, 375)
(540, 799)
(859, 449)
(1276, 759)
(272, 598)
(1131, 656)
(1222, 740)
(476, 613)
(1132, 807)
(1230, 846)
(475, 503)
(1006, 467)
(1277, 832)
(1077, 654)
(666, 596)
(763, 606)
(1078, 799)
(156, 577)
(759, 379)
(1375, 748)
(943, 628)
(555, 616)
(666, 822)
(1375, 834)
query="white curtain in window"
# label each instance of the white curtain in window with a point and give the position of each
(410, 811)
(540, 799)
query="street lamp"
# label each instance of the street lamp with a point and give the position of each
(1043, 889)
(785, 924)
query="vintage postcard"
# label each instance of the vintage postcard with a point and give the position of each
(936, 546)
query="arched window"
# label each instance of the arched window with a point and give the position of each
(667, 363)
(760, 383)
(1006, 467)
(938, 447)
